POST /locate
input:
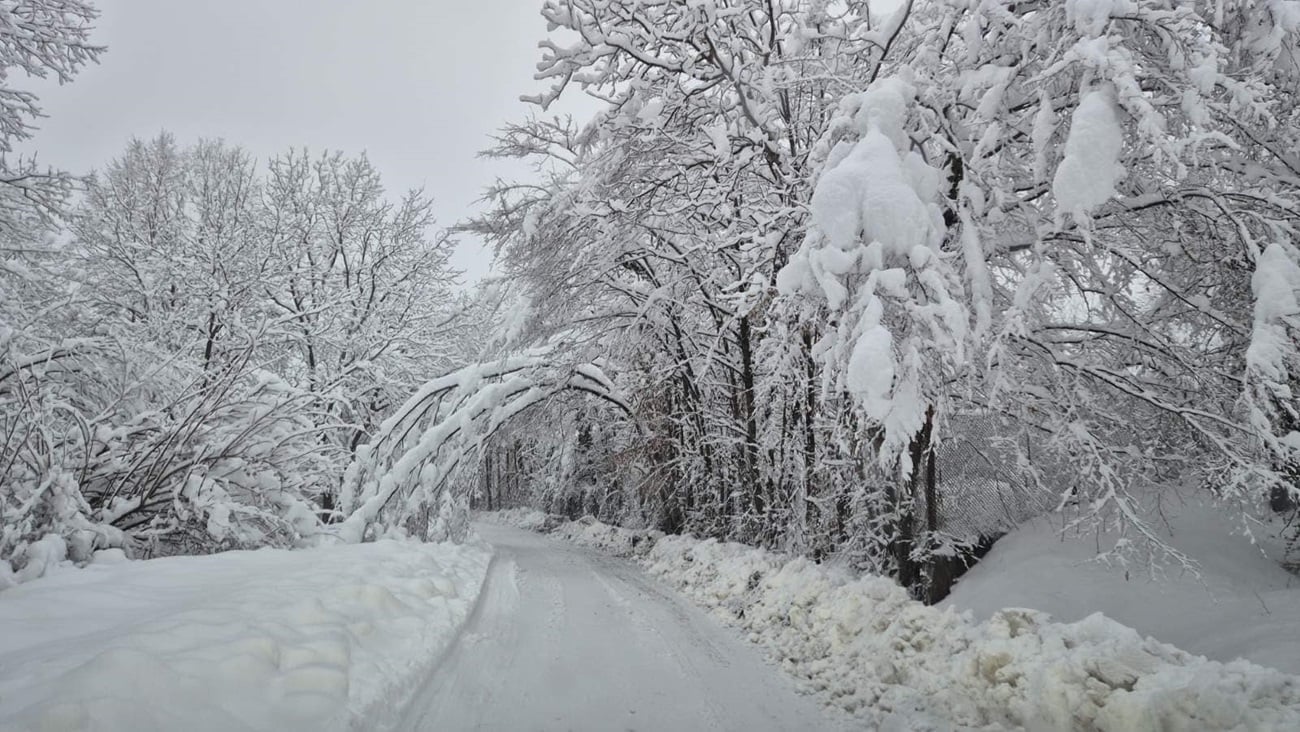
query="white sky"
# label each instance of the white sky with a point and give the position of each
(416, 84)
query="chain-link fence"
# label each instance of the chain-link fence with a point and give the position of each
(983, 481)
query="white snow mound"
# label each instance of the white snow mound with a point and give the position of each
(1240, 603)
(867, 646)
(330, 638)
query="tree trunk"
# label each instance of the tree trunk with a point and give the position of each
(921, 483)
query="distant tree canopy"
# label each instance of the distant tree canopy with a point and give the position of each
(196, 365)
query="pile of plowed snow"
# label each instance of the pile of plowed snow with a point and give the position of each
(862, 644)
(1238, 603)
(330, 638)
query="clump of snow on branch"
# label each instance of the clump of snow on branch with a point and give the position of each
(1087, 176)
(1272, 361)
(400, 478)
(875, 189)
(1090, 17)
(1276, 286)
(871, 252)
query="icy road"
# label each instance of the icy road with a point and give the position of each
(567, 639)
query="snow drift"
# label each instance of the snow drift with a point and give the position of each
(1240, 603)
(324, 639)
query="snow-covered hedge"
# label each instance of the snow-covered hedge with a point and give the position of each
(862, 644)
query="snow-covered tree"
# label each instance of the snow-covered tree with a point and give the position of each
(216, 341)
(38, 39)
(817, 245)
(171, 247)
(38, 308)
(363, 288)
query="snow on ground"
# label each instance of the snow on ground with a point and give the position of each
(862, 644)
(335, 637)
(566, 638)
(586, 531)
(522, 518)
(1243, 604)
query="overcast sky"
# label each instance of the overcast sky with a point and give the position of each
(416, 84)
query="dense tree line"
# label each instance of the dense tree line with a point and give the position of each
(192, 344)
(814, 245)
(838, 280)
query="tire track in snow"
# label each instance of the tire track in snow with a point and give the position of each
(568, 639)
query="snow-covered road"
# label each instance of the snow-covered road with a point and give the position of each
(567, 639)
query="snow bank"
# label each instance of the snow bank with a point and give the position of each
(586, 531)
(866, 646)
(862, 644)
(1241, 604)
(328, 638)
(523, 518)
(616, 540)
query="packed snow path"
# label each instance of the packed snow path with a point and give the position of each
(567, 639)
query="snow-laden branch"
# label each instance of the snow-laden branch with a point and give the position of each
(399, 473)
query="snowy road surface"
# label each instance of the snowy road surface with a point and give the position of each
(568, 639)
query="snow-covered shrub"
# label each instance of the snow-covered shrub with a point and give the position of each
(111, 450)
(451, 520)
(47, 447)
(243, 471)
